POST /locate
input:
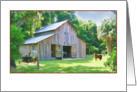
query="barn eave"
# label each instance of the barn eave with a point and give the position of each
(35, 40)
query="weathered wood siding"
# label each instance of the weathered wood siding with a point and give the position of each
(65, 36)
(26, 49)
(81, 49)
(45, 48)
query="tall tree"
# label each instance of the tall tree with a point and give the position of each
(21, 22)
(64, 15)
(16, 39)
(108, 31)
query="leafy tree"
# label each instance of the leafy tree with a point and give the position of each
(108, 31)
(48, 17)
(29, 21)
(16, 39)
(64, 15)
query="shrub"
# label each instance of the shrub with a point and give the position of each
(104, 52)
(111, 61)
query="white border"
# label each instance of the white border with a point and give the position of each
(64, 82)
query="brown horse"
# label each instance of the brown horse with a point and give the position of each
(97, 56)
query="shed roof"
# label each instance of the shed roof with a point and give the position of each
(38, 38)
(50, 27)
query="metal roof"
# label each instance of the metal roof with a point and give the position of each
(38, 38)
(50, 27)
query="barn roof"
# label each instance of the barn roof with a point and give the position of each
(38, 38)
(46, 28)
(50, 27)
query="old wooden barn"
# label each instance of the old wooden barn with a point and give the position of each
(57, 40)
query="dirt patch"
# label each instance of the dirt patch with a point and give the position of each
(24, 63)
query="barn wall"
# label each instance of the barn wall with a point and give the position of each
(45, 48)
(26, 49)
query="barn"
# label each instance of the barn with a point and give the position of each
(57, 40)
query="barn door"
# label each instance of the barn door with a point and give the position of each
(58, 51)
(74, 51)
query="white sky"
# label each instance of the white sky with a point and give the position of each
(96, 16)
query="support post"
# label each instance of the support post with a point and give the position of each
(61, 52)
(38, 57)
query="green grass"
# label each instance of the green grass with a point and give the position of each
(86, 65)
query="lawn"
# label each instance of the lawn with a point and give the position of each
(86, 65)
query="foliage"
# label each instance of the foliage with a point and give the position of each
(16, 39)
(111, 61)
(107, 32)
(93, 49)
(107, 29)
(87, 31)
(29, 21)
(64, 15)
(103, 47)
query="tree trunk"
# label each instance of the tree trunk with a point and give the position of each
(12, 63)
(109, 45)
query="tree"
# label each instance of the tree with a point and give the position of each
(27, 16)
(16, 39)
(64, 15)
(22, 22)
(108, 31)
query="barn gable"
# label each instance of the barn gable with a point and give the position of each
(66, 35)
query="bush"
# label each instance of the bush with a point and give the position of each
(104, 52)
(111, 61)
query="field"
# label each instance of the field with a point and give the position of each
(84, 65)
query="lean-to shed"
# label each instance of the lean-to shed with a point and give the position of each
(57, 40)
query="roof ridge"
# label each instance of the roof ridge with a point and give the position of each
(50, 27)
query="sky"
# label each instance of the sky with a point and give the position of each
(96, 16)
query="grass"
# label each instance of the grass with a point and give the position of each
(86, 65)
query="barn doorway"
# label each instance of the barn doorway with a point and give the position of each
(66, 51)
(53, 50)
